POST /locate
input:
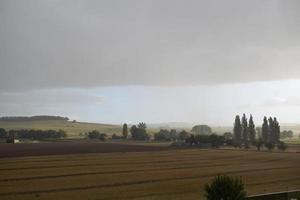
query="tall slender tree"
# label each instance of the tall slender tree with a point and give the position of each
(237, 131)
(125, 131)
(252, 132)
(265, 130)
(271, 138)
(276, 130)
(245, 134)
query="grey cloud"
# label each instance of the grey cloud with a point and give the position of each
(49, 98)
(55, 44)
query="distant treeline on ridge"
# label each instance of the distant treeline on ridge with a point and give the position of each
(33, 118)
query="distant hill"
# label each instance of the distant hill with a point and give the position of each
(32, 118)
(73, 129)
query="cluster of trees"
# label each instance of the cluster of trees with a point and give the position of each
(286, 134)
(96, 135)
(200, 135)
(214, 140)
(3, 133)
(31, 134)
(139, 132)
(172, 135)
(244, 133)
(201, 130)
(203, 135)
(34, 118)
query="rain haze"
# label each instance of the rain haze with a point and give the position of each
(149, 99)
(152, 61)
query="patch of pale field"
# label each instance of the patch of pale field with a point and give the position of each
(73, 129)
(176, 174)
(293, 141)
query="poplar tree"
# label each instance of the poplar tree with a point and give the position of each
(237, 131)
(265, 130)
(245, 130)
(271, 138)
(125, 131)
(252, 132)
(276, 131)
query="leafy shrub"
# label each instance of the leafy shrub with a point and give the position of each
(139, 133)
(258, 143)
(162, 135)
(3, 133)
(97, 135)
(213, 139)
(281, 146)
(183, 135)
(225, 188)
(270, 146)
(117, 137)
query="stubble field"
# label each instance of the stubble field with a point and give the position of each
(171, 174)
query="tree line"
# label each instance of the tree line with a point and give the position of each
(31, 134)
(244, 133)
(34, 118)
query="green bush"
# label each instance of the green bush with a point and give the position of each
(281, 146)
(97, 135)
(225, 188)
(270, 146)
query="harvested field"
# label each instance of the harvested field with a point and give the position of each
(176, 174)
(58, 148)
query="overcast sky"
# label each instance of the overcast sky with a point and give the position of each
(156, 61)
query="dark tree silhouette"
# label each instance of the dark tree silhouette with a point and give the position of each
(125, 131)
(162, 135)
(3, 133)
(11, 136)
(265, 130)
(245, 131)
(139, 133)
(183, 135)
(97, 135)
(36, 134)
(142, 125)
(133, 131)
(252, 132)
(258, 143)
(173, 135)
(201, 130)
(237, 131)
(270, 146)
(271, 138)
(191, 139)
(281, 146)
(276, 130)
(34, 118)
(225, 188)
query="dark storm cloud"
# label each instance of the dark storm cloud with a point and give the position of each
(54, 44)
